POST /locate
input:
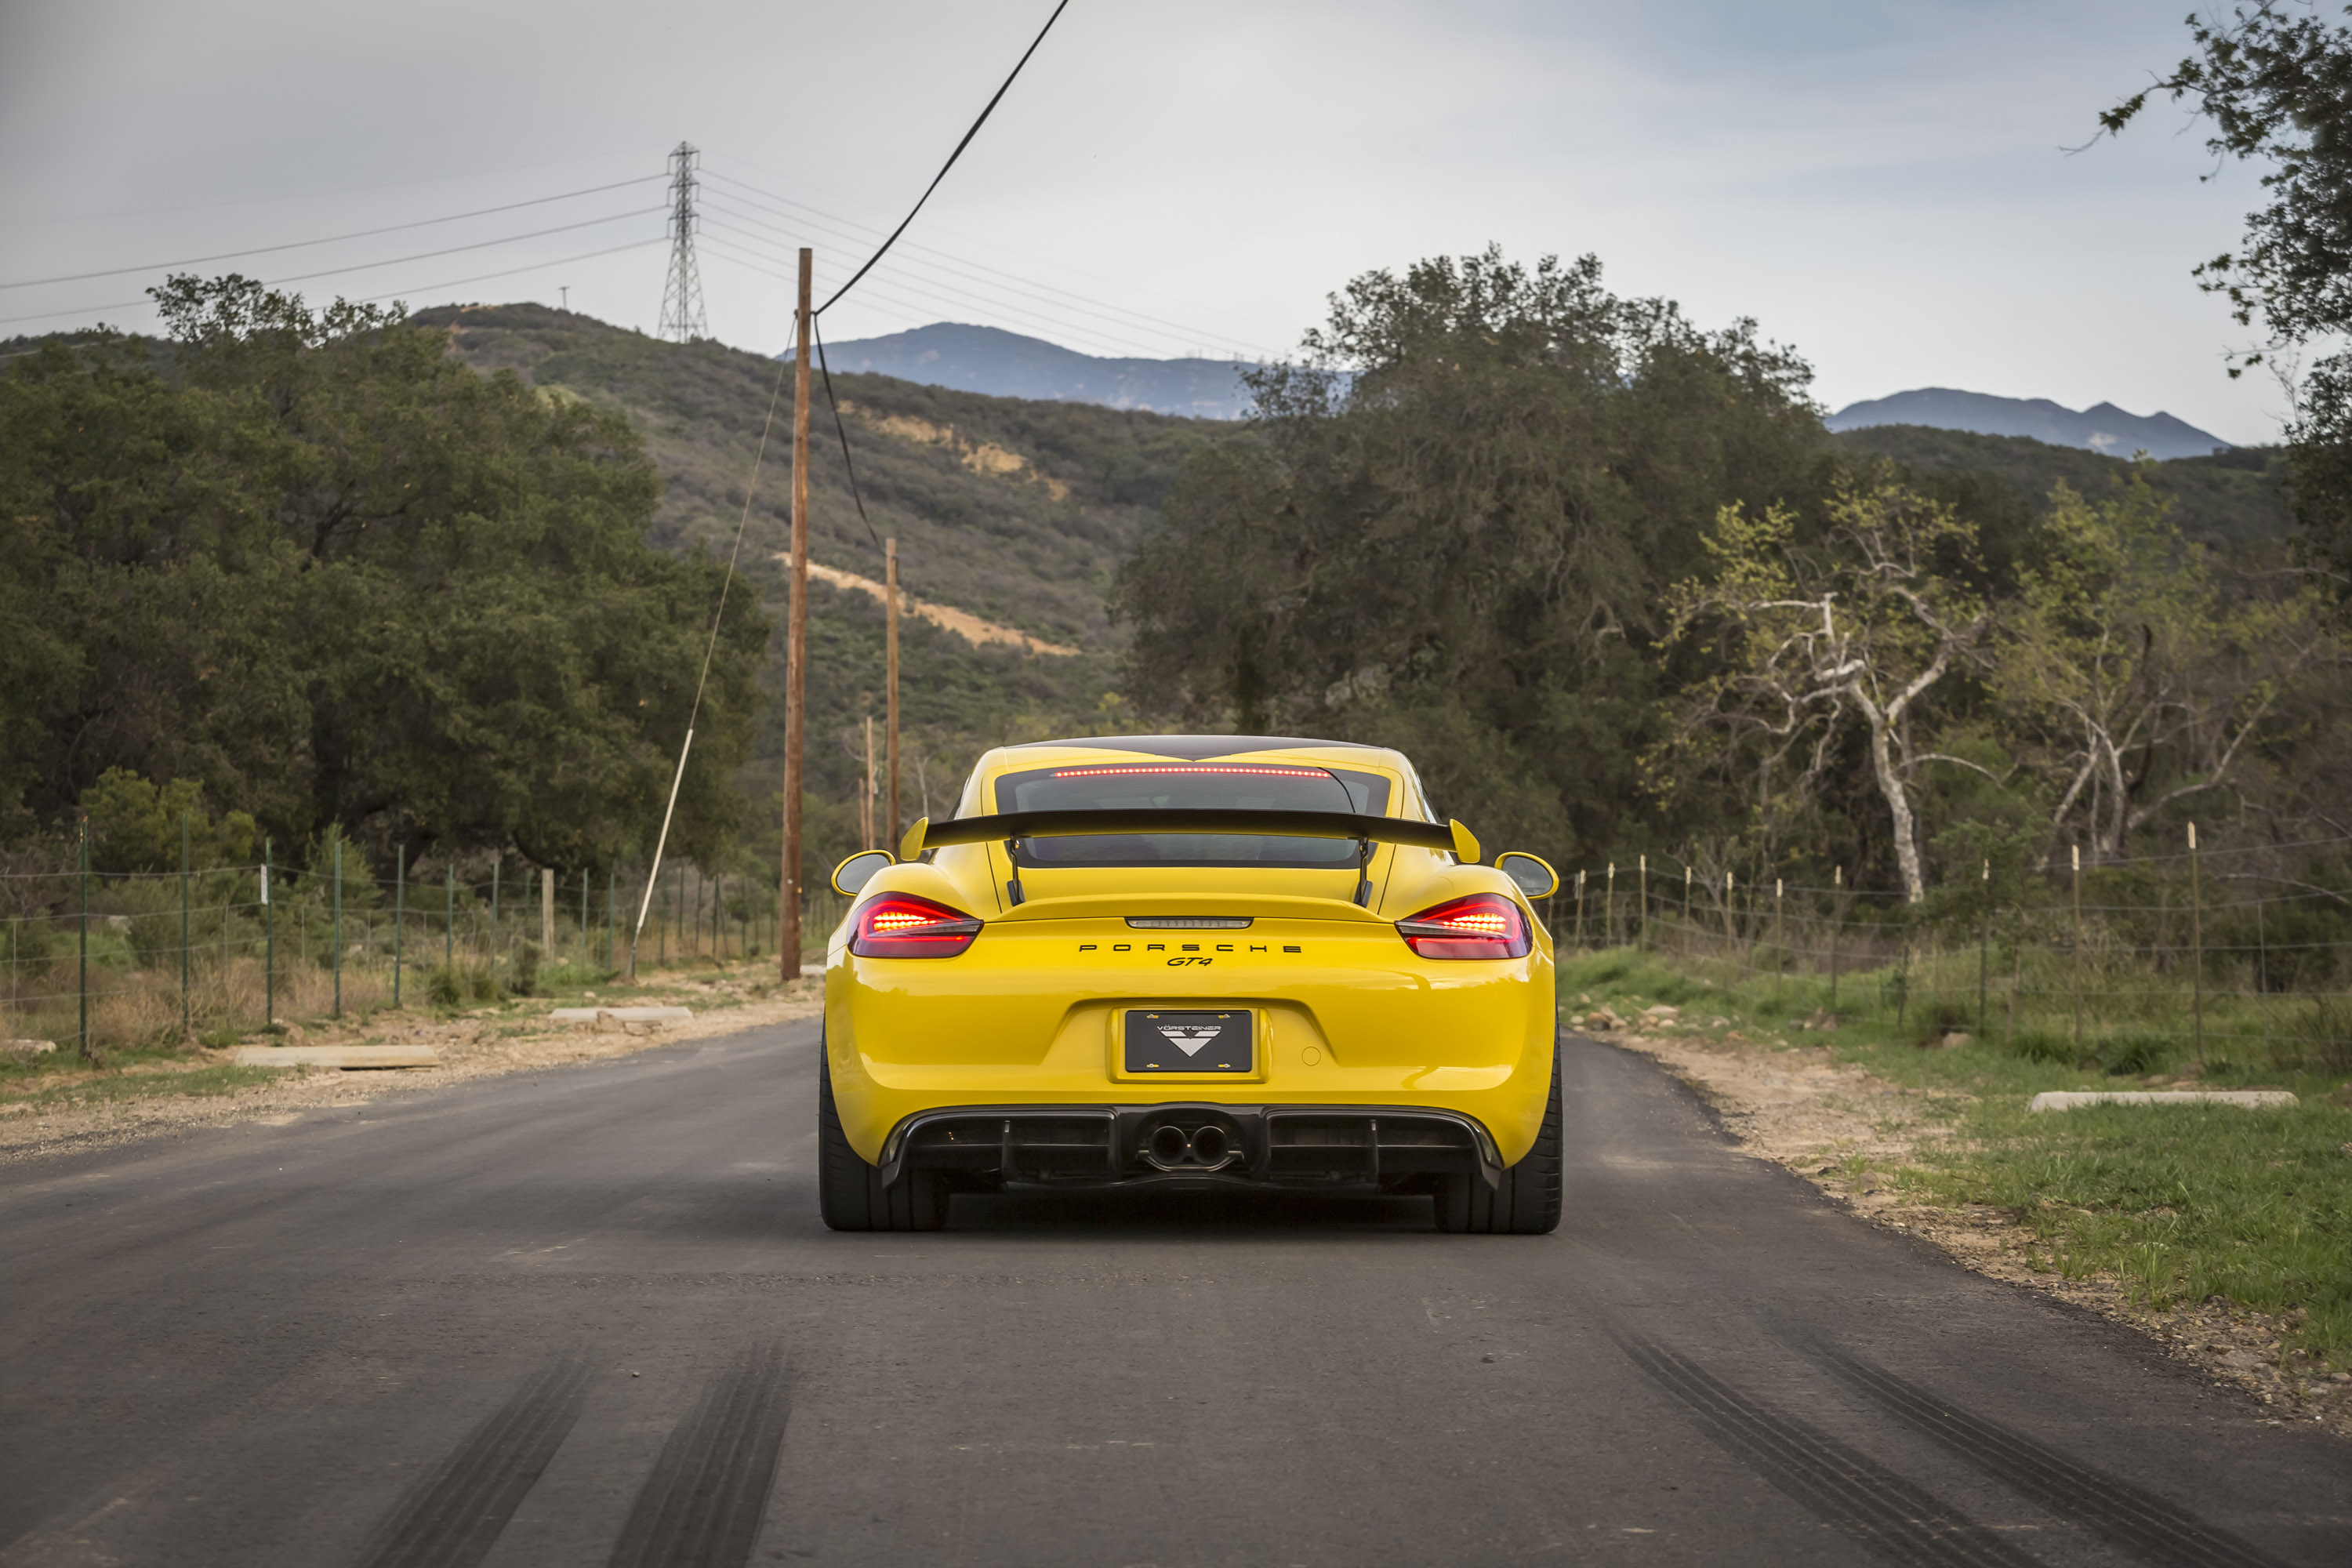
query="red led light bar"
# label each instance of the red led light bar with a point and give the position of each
(1484, 925)
(900, 925)
(1268, 773)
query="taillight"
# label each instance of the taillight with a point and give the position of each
(1484, 925)
(900, 925)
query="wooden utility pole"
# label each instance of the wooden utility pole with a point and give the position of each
(788, 944)
(890, 745)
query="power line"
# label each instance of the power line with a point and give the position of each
(372, 298)
(950, 163)
(533, 267)
(1125, 321)
(1020, 282)
(478, 245)
(842, 431)
(329, 240)
(1033, 268)
(878, 288)
(313, 195)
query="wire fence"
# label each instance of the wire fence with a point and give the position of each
(2133, 965)
(96, 964)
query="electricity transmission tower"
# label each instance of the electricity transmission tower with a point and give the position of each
(681, 310)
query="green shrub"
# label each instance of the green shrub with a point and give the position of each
(2314, 1036)
(455, 987)
(526, 969)
(2039, 1046)
(2124, 1055)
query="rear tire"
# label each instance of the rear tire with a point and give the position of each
(1528, 1202)
(849, 1192)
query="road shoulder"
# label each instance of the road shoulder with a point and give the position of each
(78, 1113)
(1865, 1143)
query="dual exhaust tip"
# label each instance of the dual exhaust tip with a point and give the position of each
(1171, 1148)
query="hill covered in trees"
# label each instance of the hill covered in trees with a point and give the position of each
(2226, 499)
(1019, 511)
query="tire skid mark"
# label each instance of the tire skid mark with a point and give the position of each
(1899, 1520)
(702, 1506)
(453, 1516)
(2139, 1521)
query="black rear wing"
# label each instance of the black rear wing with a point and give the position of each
(929, 835)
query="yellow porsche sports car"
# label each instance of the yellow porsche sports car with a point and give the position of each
(1190, 961)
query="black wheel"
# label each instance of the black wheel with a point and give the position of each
(1528, 1202)
(849, 1192)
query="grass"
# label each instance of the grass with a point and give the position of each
(144, 1055)
(117, 1088)
(2180, 1204)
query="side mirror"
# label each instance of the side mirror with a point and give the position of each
(1529, 873)
(860, 869)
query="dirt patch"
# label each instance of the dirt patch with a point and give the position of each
(1849, 1133)
(486, 1043)
(963, 623)
(980, 457)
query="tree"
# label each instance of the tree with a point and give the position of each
(2131, 680)
(310, 562)
(2276, 82)
(1448, 530)
(1802, 643)
(138, 826)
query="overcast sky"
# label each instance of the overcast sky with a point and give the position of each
(1880, 185)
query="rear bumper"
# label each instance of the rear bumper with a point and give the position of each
(1296, 1147)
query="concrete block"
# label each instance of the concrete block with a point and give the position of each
(2251, 1099)
(345, 1057)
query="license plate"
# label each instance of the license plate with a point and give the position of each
(1189, 1041)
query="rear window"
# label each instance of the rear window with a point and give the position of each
(1191, 786)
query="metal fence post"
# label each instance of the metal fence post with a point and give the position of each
(269, 946)
(339, 923)
(1984, 946)
(82, 1040)
(186, 1013)
(2078, 952)
(611, 895)
(449, 917)
(1837, 929)
(2196, 943)
(495, 949)
(584, 919)
(399, 909)
(1779, 935)
(2263, 971)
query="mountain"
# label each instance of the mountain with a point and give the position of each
(1006, 364)
(2105, 428)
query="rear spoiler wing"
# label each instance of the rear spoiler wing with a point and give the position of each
(929, 835)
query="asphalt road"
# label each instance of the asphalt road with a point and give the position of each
(590, 1317)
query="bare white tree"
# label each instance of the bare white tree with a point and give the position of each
(1860, 629)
